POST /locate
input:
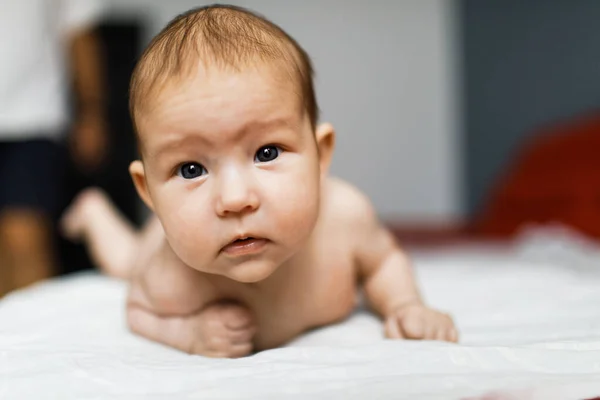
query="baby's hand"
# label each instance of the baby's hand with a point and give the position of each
(224, 330)
(220, 330)
(416, 321)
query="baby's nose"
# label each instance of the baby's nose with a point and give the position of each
(236, 195)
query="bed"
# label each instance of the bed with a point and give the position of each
(527, 311)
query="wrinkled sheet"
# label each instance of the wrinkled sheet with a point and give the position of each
(529, 316)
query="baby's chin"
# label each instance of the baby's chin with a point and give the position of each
(251, 271)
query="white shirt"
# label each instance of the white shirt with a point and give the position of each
(34, 39)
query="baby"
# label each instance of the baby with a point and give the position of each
(252, 242)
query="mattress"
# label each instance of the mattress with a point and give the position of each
(528, 313)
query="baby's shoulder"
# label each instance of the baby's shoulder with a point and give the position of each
(346, 204)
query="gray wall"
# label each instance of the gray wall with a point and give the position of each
(386, 80)
(527, 63)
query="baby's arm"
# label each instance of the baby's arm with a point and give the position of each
(169, 302)
(173, 304)
(389, 282)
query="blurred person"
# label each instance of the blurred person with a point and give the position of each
(47, 47)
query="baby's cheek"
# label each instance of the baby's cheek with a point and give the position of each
(297, 208)
(188, 233)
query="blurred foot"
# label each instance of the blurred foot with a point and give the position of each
(74, 222)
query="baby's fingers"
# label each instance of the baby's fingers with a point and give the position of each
(416, 327)
(233, 351)
(452, 336)
(441, 335)
(240, 350)
(447, 334)
(242, 335)
(392, 330)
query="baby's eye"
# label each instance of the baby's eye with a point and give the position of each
(191, 170)
(267, 153)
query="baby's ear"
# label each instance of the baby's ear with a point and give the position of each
(325, 136)
(136, 170)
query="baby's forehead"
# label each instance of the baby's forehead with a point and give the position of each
(221, 102)
(216, 90)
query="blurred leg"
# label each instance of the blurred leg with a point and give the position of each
(29, 188)
(26, 240)
(111, 240)
(5, 272)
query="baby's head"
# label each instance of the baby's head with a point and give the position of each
(225, 113)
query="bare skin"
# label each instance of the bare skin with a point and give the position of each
(211, 315)
(252, 243)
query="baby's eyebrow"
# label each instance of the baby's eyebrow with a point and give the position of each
(262, 126)
(177, 143)
(256, 127)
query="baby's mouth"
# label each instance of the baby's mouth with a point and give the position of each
(243, 246)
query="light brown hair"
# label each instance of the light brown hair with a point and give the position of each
(224, 36)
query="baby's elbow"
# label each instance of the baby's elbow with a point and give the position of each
(157, 296)
(138, 310)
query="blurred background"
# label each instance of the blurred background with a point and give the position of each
(459, 118)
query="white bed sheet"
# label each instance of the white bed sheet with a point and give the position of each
(530, 327)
